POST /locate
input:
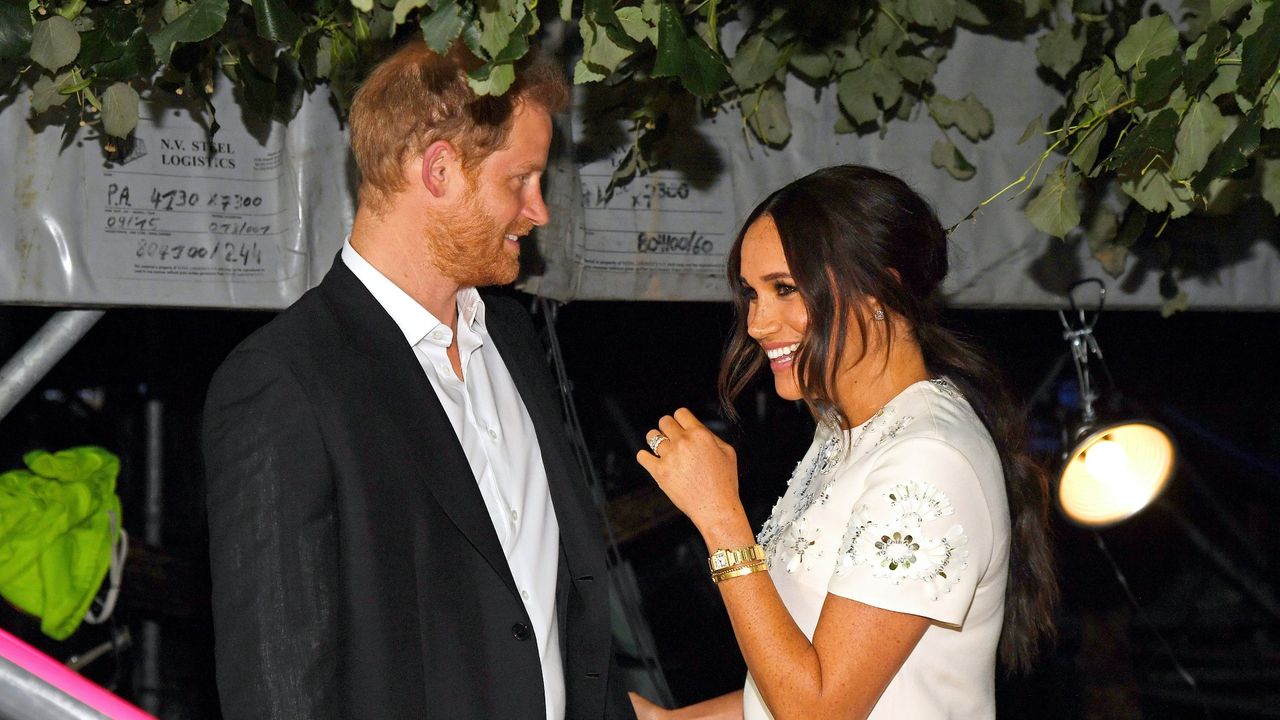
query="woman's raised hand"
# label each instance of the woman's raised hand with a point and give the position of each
(697, 470)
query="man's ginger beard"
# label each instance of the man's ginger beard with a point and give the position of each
(469, 246)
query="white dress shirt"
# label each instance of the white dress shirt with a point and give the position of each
(501, 445)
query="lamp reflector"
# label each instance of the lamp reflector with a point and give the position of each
(1114, 472)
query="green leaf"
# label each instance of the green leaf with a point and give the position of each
(636, 26)
(687, 57)
(971, 13)
(1201, 130)
(495, 81)
(1269, 183)
(599, 50)
(1158, 80)
(947, 156)
(364, 6)
(443, 26)
(1156, 192)
(846, 58)
(200, 22)
(854, 93)
(1221, 9)
(1098, 90)
(137, 61)
(402, 8)
(915, 69)
(599, 12)
(1224, 82)
(1271, 113)
(1135, 221)
(1202, 58)
(1101, 233)
(47, 92)
(886, 83)
(937, 14)
(583, 74)
(1175, 305)
(120, 109)
(1147, 39)
(98, 46)
(967, 114)
(518, 45)
(1153, 138)
(811, 64)
(769, 121)
(277, 22)
(54, 42)
(15, 29)
(1055, 209)
(1085, 152)
(1035, 127)
(755, 61)
(1261, 50)
(1060, 49)
(1231, 155)
(497, 23)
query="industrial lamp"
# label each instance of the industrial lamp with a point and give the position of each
(1111, 470)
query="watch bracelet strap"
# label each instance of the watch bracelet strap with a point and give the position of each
(729, 558)
(729, 573)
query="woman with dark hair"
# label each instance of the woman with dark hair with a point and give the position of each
(910, 548)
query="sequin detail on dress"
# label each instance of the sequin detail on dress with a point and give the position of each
(892, 542)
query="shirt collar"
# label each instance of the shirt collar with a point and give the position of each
(415, 322)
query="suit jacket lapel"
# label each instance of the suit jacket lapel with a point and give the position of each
(432, 450)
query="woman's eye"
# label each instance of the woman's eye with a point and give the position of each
(784, 289)
(747, 293)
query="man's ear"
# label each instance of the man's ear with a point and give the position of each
(440, 164)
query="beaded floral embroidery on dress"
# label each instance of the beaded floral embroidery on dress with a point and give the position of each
(804, 487)
(897, 547)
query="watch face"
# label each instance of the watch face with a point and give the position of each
(719, 560)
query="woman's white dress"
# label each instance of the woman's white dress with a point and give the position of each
(906, 512)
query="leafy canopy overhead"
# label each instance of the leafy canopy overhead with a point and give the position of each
(1167, 111)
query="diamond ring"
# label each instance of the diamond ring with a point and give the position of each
(655, 441)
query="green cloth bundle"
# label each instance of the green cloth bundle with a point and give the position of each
(58, 522)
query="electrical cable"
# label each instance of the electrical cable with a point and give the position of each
(1142, 617)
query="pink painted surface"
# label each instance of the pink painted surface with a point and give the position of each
(68, 681)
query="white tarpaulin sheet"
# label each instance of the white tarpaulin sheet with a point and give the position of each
(252, 222)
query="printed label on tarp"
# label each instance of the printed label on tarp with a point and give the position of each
(182, 204)
(658, 222)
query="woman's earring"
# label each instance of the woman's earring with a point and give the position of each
(878, 315)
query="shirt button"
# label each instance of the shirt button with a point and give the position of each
(493, 434)
(520, 631)
(524, 594)
(515, 516)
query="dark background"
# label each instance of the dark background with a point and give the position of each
(1208, 376)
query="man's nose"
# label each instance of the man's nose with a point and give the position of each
(536, 209)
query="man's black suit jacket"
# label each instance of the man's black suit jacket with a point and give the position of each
(356, 572)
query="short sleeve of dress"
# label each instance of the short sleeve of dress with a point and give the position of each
(919, 537)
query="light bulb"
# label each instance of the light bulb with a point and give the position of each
(1106, 460)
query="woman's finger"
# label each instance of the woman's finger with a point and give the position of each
(654, 439)
(687, 419)
(670, 427)
(647, 460)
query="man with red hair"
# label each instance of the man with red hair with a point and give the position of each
(397, 524)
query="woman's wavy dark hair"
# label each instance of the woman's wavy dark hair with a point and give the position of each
(850, 233)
